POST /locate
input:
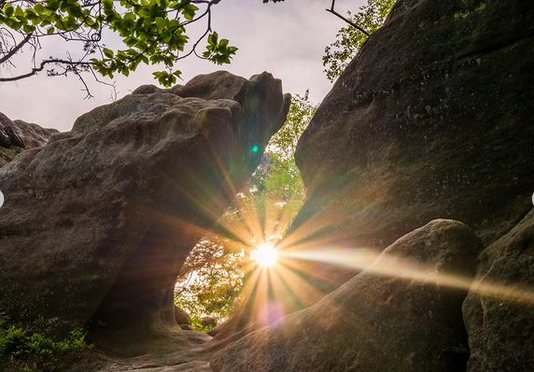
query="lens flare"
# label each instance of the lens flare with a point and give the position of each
(265, 255)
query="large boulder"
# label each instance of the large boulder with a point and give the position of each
(499, 310)
(16, 136)
(403, 313)
(433, 119)
(97, 223)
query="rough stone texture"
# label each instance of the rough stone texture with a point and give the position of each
(499, 316)
(214, 331)
(126, 195)
(433, 119)
(178, 351)
(181, 316)
(15, 136)
(208, 321)
(376, 323)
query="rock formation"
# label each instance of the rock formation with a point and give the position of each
(181, 316)
(431, 120)
(398, 315)
(16, 136)
(499, 311)
(97, 223)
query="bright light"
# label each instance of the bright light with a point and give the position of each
(265, 255)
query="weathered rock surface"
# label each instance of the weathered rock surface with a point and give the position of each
(16, 136)
(433, 119)
(499, 313)
(181, 316)
(97, 223)
(395, 316)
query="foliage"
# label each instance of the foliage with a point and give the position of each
(152, 32)
(211, 280)
(284, 142)
(24, 351)
(349, 40)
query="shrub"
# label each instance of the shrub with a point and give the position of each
(21, 350)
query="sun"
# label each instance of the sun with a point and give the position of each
(265, 255)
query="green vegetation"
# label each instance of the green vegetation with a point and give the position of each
(21, 350)
(211, 280)
(152, 32)
(350, 40)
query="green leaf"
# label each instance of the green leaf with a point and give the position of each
(160, 22)
(189, 11)
(28, 28)
(213, 38)
(39, 8)
(108, 53)
(130, 41)
(8, 10)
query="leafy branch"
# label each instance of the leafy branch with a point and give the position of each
(154, 32)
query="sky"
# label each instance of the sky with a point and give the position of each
(286, 39)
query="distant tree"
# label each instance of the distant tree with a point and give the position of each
(351, 38)
(284, 142)
(211, 279)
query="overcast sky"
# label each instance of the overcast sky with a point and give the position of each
(286, 39)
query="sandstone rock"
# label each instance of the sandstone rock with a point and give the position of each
(433, 119)
(15, 136)
(397, 315)
(499, 311)
(8, 136)
(33, 135)
(148, 89)
(208, 321)
(214, 331)
(181, 316)
(213, 86)
(97, 223)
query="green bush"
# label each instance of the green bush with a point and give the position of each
(21, 350)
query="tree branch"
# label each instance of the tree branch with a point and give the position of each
(41, 67)
(356, 26)
(15, 49)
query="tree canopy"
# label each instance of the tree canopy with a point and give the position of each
(153, 32)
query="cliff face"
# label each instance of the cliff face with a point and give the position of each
(97, 223)
(433, 119)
